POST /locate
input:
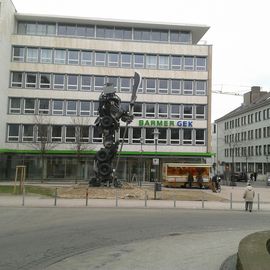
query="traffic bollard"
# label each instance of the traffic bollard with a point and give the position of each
(23, 196)
(258, 201)
(145, 199)
(86, 197)
(231, 201)
(55, 197)
(116, 198)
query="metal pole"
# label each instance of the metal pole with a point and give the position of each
(258, 201)
(231, 200)
(145, 199)
(202, 200)
(116, 198)
(23, 196)
(55, 197)
(174, 201)
(86, 197)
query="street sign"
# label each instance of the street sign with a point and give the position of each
(155, 161)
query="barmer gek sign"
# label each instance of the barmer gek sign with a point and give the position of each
(166, 123)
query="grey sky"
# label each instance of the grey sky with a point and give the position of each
(238, 33)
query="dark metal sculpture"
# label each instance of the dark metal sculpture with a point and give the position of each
(110, 114)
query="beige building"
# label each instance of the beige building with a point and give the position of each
(54, 69)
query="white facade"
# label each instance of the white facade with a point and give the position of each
(243, 135)
(56, 67)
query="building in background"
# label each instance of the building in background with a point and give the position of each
(242, 141)
(53, 69)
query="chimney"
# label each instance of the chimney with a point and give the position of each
(254, 94)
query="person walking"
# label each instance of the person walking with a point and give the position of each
(190, 180)
(248, 195)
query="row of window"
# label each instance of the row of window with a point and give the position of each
(103, 32)
(90, 108)
(248, 135)
(90, 134)
(248, 151)
(96, 83)
(110, 59)
(249, 119)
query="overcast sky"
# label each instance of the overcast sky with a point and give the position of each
(239, 33)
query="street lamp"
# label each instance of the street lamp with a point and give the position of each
(141, 163)
(156, 161)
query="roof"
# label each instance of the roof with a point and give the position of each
(258, 103)
(198, 31)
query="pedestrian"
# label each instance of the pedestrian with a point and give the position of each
(200, 180)
(255, 176)
(249, 194)
(190, 180)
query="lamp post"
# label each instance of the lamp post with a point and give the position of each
(156, 161)
(141, 162)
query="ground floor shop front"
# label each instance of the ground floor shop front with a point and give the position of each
(135, 167)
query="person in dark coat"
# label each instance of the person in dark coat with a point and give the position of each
(190, 180)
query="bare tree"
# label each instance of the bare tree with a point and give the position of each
(42, 141)
(81, 142)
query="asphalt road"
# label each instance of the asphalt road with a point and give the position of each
(76, 238)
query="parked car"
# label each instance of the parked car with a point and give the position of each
(240, 176)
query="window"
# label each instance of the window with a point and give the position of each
(123, 33)
(163, 62)
(13, 132)
(32, 55)
(44, 106)
(187, 111)
(200, 87)
(59, 81)
(126, 60)
(136, 134)
(138, 61)
(45, 81)
(150, 85)
(159, 35)
(46, 56)
(72, 82)
(199, 113)
(138, 109)
(150, 110)
(56, 133)
(175, 111)
(66, 29)
(142, 34)
(162, 110)
(28, 133)
(51, 29)
(86, 58)
(59, 56)
(121, 137)
(163, 86)
(149, 135)
(99, 83)
(125, 85)
(188, 87)
(175, 136)
(83, 133)
(58, 107)
(86, 82)
(31, 28)
(18, 54)
(187, 136)
(162, 137)
(95, 108)
(31, 80)
(85, 108)
(73, 57)
(29, 106)
(174, 36)
(41, 29)
(141, 86)
(104, 32)
(185, 37)
(15, 105)
(176, 62)
(71, 107)
(199, 136)
(188, 63)
(85, 31)
(176, 87)
(151, 61)
(21, 28)
(97, 136)
(70, 134)
(100, 59)
(113, 59)
(200, 63)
